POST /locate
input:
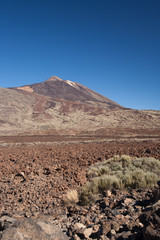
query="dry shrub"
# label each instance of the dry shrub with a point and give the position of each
(72, 197)
(98, 171)
(121, 172)
(139, 179)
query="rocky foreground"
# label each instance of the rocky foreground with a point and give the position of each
(34, 181)
(120, 215)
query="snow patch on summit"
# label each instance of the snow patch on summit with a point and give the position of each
(71, 83)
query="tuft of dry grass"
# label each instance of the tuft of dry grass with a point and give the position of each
(72, 197)
(120, 172)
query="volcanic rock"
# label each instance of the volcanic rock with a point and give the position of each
(33, 229)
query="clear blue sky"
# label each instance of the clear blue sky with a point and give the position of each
(110, 46)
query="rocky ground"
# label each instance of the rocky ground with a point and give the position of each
(118, 215)
(35, 178)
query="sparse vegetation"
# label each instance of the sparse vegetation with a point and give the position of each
(72, 197)
(120, 172)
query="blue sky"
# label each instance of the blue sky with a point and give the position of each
(110, 46)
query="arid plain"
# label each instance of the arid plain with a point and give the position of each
(50, 134)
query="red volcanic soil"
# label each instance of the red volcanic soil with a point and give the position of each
(34, 178)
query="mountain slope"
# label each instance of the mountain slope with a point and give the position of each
(57, 88)
(63, 107)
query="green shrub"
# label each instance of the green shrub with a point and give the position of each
(121, 172)
(98, 171)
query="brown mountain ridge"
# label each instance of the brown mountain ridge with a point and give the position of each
(58, 106)
(57, 88)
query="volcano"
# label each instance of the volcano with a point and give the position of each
(58, 106)
(55, 87)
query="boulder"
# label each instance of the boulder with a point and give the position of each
(6, 221)
(29, 229)
(151, 222)
(149, 233)
(82, 231)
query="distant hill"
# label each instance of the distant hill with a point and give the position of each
(56, 106)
